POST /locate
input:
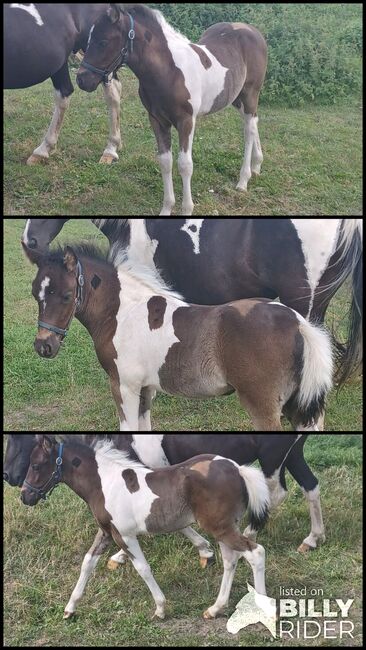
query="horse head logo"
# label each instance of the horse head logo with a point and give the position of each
(253, 608)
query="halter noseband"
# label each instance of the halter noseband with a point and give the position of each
(53, 481)
(120, 61)
(80, 278)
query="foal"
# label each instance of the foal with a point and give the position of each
(179, 81)
(148, 339)
(128, 500)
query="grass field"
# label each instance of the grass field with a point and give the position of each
(71, 393)
(313, 160)
(44, 548)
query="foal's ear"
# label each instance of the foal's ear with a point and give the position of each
(35, 257)
(70, 259)
(114, 11)
(46, 442)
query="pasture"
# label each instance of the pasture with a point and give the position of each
(44, 548)
(312, 160)
(71, 393)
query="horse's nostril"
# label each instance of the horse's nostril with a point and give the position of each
(32, 243)
(6, 477)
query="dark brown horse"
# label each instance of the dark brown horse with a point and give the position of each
(179, 81)
(38, 40)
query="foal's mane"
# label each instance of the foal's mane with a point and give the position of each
(153, 16)
(109, 452)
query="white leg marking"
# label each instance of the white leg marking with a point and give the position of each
(51, 138)
(257, 560)
(112, 94)
(251, 133)
(143, 569)
(230, 559)
(199, 542)
(166, 166)
(317, 524)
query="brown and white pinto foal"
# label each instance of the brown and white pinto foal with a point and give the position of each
(179, 81)
(127, 499)
(148, 339)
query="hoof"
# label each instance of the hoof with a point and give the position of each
(241, 188)
(208, 616)
(207, 561)
(113, 565)
(108, 160)
(68, 616)
(36, 160)
(158, 617)
(305, 548)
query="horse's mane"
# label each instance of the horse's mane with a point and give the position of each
(108, 451)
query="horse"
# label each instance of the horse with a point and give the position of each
(148, 339)
(213, 261)
(276, 453)
(38, 40)
(179, 81)
(127, 499)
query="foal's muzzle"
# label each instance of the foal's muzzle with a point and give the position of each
(47, 348)
(88, 81)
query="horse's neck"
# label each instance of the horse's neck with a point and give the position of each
(102, 294)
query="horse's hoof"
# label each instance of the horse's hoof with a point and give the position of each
(207, 561)
(208, 616)
(305, 548)
(36, 160)
(68, 615)
(158, 617)
(241, 188)
(113, 565)
(108, 159)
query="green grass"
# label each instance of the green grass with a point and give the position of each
(44, 548)
(313, 160)
(71, 392)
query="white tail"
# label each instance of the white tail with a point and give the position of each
(317, 373)
(256, 484)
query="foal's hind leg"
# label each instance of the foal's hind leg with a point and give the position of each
(101, 543)
(247, 104)
(204, 548)
(233, 546)
(265, 416)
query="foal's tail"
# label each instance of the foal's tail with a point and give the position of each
(317, 371)
(258, 493)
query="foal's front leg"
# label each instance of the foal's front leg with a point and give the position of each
(143, 569)
(101, 543)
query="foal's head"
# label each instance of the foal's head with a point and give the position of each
(58, 291)
(41, 476)
(110, 45)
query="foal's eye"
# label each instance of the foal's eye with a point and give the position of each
(35, 468)
(67, 297)
(103, 44)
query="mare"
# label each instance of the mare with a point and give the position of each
(179, 81)
(127, 499)
(214, 261)
(148, 339)
(38, 40)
